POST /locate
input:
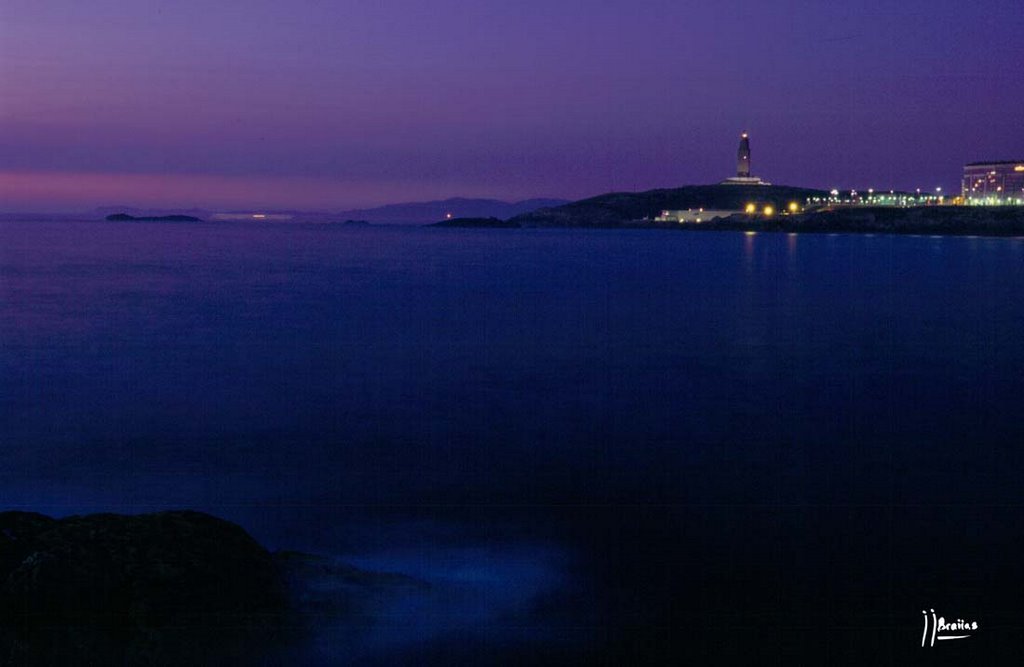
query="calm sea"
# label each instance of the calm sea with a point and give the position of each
(610, 447)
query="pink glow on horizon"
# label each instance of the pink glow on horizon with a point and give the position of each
(73, 191)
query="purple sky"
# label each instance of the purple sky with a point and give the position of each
(338, 103)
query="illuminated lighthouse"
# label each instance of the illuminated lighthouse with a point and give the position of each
(743, 176)
(743, 157)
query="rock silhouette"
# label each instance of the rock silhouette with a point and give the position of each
(164, 588)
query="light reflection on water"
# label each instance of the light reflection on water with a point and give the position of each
(487, 591)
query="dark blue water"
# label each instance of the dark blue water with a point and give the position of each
(605, 447)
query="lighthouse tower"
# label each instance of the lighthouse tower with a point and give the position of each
(743, 176)
(743, 157)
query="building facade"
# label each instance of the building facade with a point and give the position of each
(994, 183)
(694, 215)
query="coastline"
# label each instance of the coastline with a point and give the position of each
(994, 221)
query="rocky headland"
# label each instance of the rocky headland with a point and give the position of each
(639, 210)
(623, 208)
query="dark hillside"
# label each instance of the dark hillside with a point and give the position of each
(613, 209)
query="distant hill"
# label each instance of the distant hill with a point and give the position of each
(419, 213)
(410, 213)
(617, 208)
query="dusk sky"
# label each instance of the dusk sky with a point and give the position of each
(329, 104)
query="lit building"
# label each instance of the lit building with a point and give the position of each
(257, 217)
(994, 183)
(873, 199)
(743, 176)
(694, 215)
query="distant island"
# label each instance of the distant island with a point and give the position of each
(124, 217)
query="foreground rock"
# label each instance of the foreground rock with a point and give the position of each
(155, 589)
